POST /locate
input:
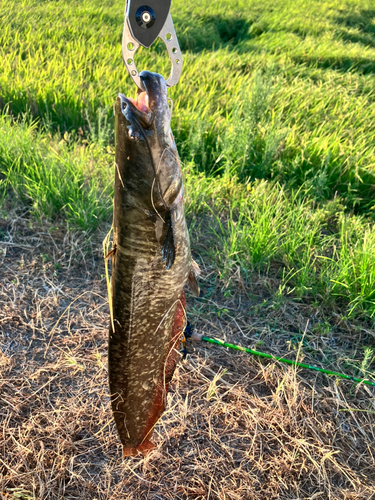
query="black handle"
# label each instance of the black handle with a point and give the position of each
(146, 19)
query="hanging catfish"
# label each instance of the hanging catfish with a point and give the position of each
(151, 263)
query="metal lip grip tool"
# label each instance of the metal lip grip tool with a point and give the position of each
(145, 21)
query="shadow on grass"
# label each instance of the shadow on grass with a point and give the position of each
(56, 112)
(366, 40)
(213, 32)
(360, 65)
(362, 22)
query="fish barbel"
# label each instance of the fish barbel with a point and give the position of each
(151, 263)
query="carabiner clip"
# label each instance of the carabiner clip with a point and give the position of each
(145, 21)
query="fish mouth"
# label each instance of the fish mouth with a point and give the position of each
(152, 103)
(141, 102)
(139, 108)
(153, 97)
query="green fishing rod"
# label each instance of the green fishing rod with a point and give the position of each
(195, 336)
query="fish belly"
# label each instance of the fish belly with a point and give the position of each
(148, 320)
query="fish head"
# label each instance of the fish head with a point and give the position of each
(145, 141)
(155, 98)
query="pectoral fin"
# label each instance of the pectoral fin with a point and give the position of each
(192, 278)
(168, 250)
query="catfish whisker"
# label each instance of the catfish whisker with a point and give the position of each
(171, 108)
(152, 200)
(119, 175)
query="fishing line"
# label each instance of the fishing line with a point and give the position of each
(211, 340)
(152, 201)
(152, 159)
(106, 253)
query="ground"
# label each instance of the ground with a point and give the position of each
(235, 428)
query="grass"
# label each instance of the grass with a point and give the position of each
(50, 176)
(318, 252)
(308, 116)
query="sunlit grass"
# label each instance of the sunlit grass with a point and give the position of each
(320, 254)
(53, 178)
(315, 64)
(274, 120)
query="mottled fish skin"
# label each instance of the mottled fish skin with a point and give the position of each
(151, 263)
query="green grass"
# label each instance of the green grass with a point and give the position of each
(62, 61)
(51, 176)
(318, 254)
(274, 118)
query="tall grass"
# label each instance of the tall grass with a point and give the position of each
(319, 254)
(305, 119)
(51, 178)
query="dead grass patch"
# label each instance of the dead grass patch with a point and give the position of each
(235, 428)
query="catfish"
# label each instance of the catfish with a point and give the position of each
(151, 263)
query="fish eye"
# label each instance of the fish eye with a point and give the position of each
(134, 134)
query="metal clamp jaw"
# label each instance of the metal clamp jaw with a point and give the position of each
(143, 25)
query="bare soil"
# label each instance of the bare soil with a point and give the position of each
(235, 428)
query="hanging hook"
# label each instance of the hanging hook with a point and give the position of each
(143, 25)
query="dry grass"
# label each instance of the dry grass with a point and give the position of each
(234, 429)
